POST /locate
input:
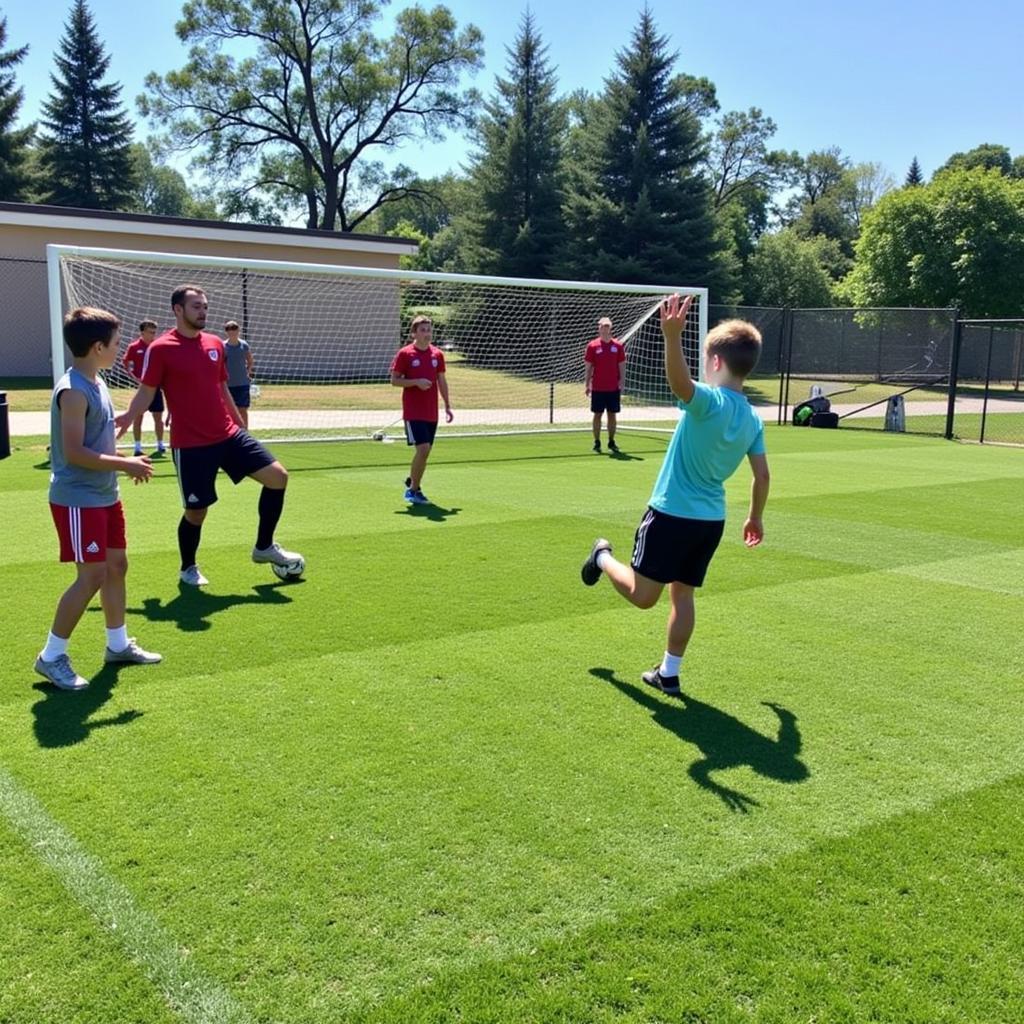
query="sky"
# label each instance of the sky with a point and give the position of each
(883, 81)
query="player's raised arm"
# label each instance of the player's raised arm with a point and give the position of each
(673, 320)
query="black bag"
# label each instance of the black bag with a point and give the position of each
(825, 419)
(817, 406)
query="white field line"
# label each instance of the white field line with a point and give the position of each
(192, 996)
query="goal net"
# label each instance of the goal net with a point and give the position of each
(323, 338)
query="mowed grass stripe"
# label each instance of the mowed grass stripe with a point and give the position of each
(192, 996)
(895, 922)
(438, 809)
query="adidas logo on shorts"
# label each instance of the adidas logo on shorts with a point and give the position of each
(93, 548)
(192, 499)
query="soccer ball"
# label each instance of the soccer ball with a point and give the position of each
(291, 571)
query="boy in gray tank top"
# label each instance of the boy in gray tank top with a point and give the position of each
(84, 498)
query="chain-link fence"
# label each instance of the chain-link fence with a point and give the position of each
(859, 359)
(988, 397)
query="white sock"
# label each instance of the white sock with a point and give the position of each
(55, 647)
(601, 556)
(670, 664)
(117, 639)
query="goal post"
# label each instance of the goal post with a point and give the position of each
(323, 337)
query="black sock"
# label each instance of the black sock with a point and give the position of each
(271, 505)
(188, 542)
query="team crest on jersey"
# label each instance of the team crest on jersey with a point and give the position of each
(415, 362)
(615, 348)
(212, 353)
(433, 362)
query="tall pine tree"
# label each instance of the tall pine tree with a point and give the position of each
(86, 151)
(641, 210)
(14, 177)
(517, 221)
(914, 175)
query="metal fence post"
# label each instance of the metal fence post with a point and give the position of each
(786, 363)
(5, 430)
(988, 378)
(954, 375)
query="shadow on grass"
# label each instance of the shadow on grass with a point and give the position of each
(621, 456)
(190, 611)
(63, 719)
(725, 742)
(434, 513)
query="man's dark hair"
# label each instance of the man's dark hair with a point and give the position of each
(179, 293)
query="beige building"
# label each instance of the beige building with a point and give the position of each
(260, 301)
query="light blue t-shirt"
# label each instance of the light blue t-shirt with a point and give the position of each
(76, 486)
(717, 430)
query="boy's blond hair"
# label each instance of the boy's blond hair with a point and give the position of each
(417, 320)
(147, 324)
(231, 325)
(86, 325)
(737, 343)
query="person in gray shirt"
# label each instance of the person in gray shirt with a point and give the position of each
(239, 360)
(84, 499)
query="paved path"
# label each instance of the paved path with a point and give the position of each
(26, 423)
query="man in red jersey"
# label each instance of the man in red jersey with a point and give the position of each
(419, 370)
(134, 357)
(206, 431)
(605, 358)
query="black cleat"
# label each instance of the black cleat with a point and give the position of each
(597, 447)
(590, 573)
(667, 684)
(613, 447)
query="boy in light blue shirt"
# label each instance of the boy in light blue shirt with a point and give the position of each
(683, 524)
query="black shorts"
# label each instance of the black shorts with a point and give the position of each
(605, 401)
(240, 393)
(239, 456)
(420, 431)
(157, 405)
(670, 549)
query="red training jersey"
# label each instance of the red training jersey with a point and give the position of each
(134, 357)
(412, 362)
(191, 372)
(605, 357)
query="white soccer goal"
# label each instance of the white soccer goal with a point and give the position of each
(323, 338)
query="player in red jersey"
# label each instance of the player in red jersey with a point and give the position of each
(419, 370)
(206, 431)
(605, 359)
(134, 357)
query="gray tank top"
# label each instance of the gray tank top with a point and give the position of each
(75, 485)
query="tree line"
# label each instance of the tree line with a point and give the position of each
(293, 109)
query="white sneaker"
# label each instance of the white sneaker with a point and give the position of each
(275, 555)
(60, 673)
(133, 654)
(193, 577)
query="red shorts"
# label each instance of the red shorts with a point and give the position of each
(86, 534)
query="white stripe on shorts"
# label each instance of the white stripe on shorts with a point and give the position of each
(408, 433)
(75, 527)
(641, 537)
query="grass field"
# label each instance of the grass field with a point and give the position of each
(427, 785)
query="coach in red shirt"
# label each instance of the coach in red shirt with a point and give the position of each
(419, 370)
(206, 432)
(605, 359)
